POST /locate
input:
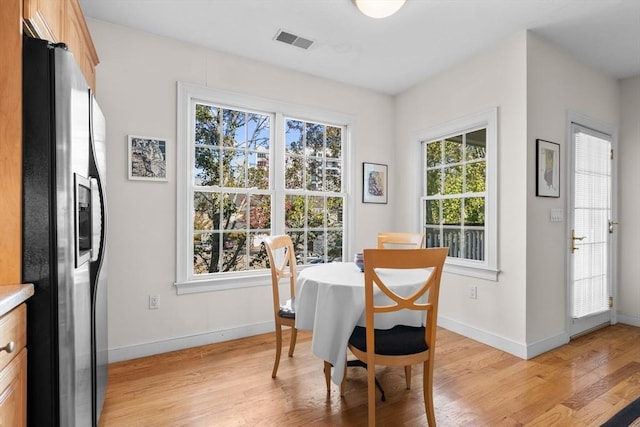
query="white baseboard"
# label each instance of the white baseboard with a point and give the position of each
(547, 344)
(521, 350)
(629, 319)
(148, 349)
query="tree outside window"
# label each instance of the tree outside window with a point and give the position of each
(234, 199)
(455, 199)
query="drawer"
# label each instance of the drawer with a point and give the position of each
(13, 328)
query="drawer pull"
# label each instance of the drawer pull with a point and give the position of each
(9, 347)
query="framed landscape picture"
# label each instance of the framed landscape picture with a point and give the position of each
(147, 159)
(547, 168)
(374, 183)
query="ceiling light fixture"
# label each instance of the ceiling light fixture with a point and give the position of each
(378, 8)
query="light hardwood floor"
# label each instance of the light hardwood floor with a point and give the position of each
(230, 384)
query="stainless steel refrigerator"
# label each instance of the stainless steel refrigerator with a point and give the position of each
(64, 239)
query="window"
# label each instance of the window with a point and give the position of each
(458, 201)
(248, 168)
(313, 183)
(231, 194)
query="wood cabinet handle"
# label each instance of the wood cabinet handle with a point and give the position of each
(9, 347)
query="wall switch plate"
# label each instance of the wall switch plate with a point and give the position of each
(556, 215)
(473, 292)
(154, 302)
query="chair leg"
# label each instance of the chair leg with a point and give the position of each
(344, 380)
(327, 375)
(278, 350)
(292, 343)
(371, 395)
(428, 395)
(407, 376)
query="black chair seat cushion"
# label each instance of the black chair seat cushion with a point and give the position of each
(397, 341)
(287, 310)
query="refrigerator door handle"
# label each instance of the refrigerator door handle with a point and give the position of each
(96, 220)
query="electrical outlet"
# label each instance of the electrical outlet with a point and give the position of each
(154, 302)
(473, 292)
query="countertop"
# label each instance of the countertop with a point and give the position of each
(12, 296)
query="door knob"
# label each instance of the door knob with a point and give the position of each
(573, 240)
(611, 224)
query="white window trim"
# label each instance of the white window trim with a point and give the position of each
(188, 93)
(487, 269)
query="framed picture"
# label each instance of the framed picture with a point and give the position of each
(547, 168)
(374, 183)
(147, 160)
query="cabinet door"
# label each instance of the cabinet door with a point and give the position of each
(78, 39)
(10, 142)
(13, 392)
(44, 18)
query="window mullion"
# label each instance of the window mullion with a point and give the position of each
(277, 173)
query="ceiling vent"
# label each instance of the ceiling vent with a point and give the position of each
(294, 40)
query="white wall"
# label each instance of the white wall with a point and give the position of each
(534, 85)
(136, 82)
(628, 298)
(494, 78)
(556, 84)
(531, 82)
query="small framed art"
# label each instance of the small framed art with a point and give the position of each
(547, 168)
(374, 183)
(147, 159)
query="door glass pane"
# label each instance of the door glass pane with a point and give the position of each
(592, 211)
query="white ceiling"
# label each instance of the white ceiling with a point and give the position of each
(387, 55)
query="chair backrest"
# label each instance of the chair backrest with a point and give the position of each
(282, 260)
(400, 240)
(431, 258)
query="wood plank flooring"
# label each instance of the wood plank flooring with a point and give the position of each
(229, 384)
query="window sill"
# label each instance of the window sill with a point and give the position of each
(223, 283)
(479, 272)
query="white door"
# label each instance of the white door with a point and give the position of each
(591, 228)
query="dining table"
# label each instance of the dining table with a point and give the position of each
(330, 302)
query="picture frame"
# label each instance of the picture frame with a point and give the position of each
(147, 158)
(374, 183)
(547, 168)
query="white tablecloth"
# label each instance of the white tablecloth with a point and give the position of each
(330, 302)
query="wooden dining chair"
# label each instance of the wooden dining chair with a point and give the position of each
(400, 240)
(284, 314)
(401, 345)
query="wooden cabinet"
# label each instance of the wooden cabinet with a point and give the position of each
(10, 141)
(13, 367)
(79, 41)
(44, 18)
(63, 21)
(55, 20)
